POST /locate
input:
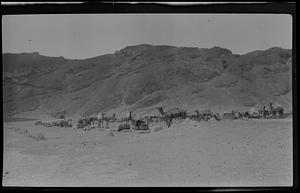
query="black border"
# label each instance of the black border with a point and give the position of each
(96, 7)
(153, 8)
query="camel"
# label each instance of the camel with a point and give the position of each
(149, 119)
(177, 113)
(123, 126)
(229, 115)
(140, 125)
(254, 113)
(217, 116)
(130, 120)
(113, 118)
(247, 114)
(101, 118)
(171, 114)
(99, 115)
(137, 124)
(110, 118)
(191, 116)
(166, 117)
(107, 119)
(198, 116)
(82, 123)
(204, 115)
(66, 123)
(38, 122)
(277, 111)
(241, 115)
(154, 118)
(263, 112)
(128, 123)
(146, 119)
(91, 121)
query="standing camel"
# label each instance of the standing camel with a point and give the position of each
(263, 112)
(112, 118)
(166, 116)
(277, 112)
(130, 120)
(198, 116)
(134, 124)
(101, 118)
(127, 124)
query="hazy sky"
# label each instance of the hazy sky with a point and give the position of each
(82, 36)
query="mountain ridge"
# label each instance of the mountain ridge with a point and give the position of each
(141, 77)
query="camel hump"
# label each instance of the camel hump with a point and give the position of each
(175, 110)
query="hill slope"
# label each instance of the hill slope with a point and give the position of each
(143, 76)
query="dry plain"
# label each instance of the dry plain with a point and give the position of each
(224, 153)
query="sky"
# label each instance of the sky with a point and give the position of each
(82, 36)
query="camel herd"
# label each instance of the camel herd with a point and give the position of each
(131, 123)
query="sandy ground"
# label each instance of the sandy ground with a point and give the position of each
(225, 153)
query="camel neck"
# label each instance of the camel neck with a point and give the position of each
(161, 111)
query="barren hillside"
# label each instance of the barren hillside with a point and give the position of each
(144, 76)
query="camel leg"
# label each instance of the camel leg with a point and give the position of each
(171, 122)
(106, 123)
(168, 121)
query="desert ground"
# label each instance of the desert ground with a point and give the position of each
(214, 153)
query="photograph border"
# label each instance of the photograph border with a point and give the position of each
(155, 8)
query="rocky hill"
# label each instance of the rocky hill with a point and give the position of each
(142, 77)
